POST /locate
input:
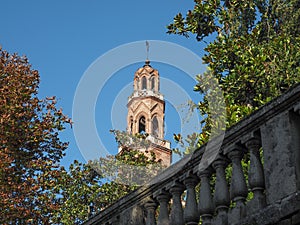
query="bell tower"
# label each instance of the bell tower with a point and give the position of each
(146, 112)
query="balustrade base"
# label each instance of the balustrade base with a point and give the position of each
(206, 219)
(277, 213)
(237, 213)
(222, 217)
(258, 202)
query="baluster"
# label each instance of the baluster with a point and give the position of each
(163, 200)
(150, 207)
(176, 212)
(221, 195)
(238, 186)
(256, 174)
(191, 216)
(206, 207)
(115, 220)
(137, 215)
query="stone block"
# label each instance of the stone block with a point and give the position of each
(295, 128)
(280, 159)
(296, 219)
(285, 222)
(132, 216)
(268, 216)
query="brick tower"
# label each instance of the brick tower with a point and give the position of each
(146, 112)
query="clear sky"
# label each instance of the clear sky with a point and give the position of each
(63, 38)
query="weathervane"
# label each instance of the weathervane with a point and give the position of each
(147, 48)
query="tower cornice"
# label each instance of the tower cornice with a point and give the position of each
(145, 93)
(140, 98)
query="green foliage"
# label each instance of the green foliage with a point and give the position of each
(86, 189)
(189, 144)
(78, 192)
(253, 53)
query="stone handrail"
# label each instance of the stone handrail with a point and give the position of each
(273, 178)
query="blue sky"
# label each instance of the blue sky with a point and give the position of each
(63, 38)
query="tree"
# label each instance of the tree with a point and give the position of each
(30, 148)
(34, 188)
(252, 52)
(85, 189)
(78, 193)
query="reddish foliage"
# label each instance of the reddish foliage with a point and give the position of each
(29, 144)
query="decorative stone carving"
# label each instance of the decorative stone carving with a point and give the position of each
(238, 187)
(191, 216)
(206, 206)
(221, 195)
(163, 199)
(150, 207)
(256, 175)
(176, 217)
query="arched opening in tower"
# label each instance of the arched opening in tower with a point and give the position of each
(144, 83)
(142, 125)
(131, 125)
(153, 84)
(155, 130)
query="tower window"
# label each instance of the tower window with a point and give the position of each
(136, 84)
(155, 130)
(142, 125)
(144, 83)
(153, 83)
(131, 125)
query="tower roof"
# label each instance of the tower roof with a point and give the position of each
(146, 70)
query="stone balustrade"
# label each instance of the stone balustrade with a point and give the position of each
(145, 92)
(151, 140)
(159, 141)
(224, 193)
